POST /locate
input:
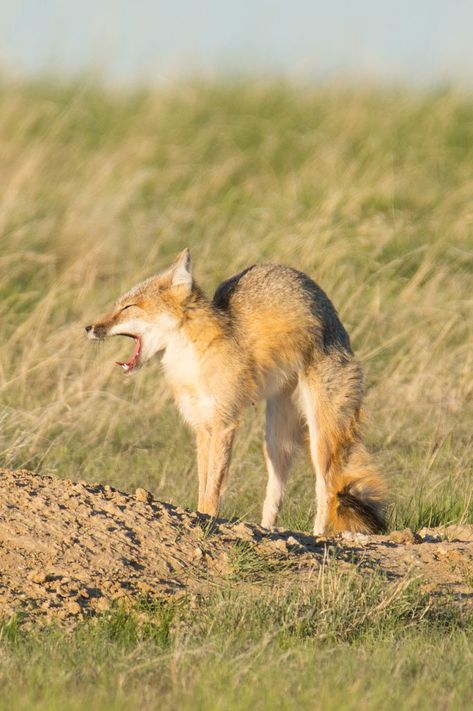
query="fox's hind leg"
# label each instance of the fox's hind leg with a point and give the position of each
(350, 492)
(283, 432)
(319, 455)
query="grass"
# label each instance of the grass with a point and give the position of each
(347, 643)
(247, 563)
(369, 191)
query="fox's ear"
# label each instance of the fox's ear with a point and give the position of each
(182, 269)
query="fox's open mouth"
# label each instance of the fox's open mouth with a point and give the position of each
(129, 365)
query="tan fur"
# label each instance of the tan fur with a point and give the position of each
(269, 333)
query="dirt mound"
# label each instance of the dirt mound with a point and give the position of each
(72, 548)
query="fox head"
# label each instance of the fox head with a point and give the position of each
(149, 313)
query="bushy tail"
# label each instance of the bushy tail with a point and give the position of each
(356, 492)
(357, 496)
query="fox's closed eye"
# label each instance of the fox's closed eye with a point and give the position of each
(128, 307)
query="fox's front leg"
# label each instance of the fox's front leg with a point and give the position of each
(203, 451)
(220, 452)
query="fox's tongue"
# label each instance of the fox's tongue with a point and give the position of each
(130, 364)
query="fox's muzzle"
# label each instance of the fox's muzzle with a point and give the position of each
(96, 332)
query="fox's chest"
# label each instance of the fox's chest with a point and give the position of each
(183, 370)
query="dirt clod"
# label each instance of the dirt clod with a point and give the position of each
(405, 536)
(38, 576)
(143, 495)
(73, 607)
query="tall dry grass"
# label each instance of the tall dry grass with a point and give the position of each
(370, 192)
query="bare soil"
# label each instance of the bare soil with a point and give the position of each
(69, 549)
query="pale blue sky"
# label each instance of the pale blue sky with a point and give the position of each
(415, 41)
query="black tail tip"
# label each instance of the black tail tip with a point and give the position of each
(368, 515)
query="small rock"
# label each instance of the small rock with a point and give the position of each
(198, 553)
(295, 546)
(243, 530)
(38, 576)
(280, 545)
(405, 536)
(73, 607)
(143, 495)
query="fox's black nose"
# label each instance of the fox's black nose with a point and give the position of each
(88, 328)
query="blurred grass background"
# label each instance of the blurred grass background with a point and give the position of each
(368, 191)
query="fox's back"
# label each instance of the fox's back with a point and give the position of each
(279, 313)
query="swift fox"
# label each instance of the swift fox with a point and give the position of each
(269, 333)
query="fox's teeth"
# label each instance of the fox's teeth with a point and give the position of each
(125, 366)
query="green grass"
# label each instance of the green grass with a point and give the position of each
(349, 642)
(369, 191)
